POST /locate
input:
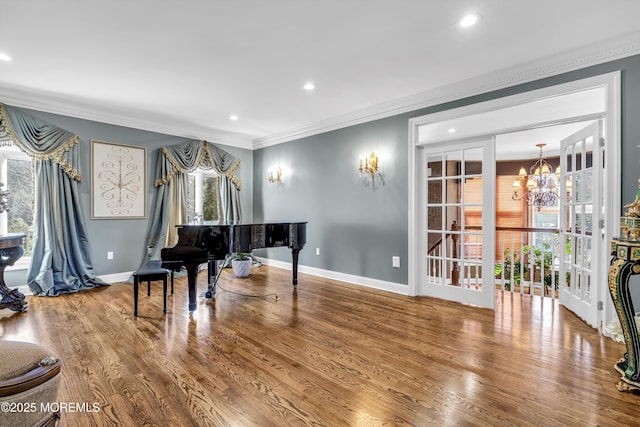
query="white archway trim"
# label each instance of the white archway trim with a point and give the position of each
(610, 82)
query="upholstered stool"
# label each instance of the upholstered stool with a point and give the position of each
(29, 383)
(150, 271)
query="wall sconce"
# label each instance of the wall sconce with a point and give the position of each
(275, 177)
(370, 165)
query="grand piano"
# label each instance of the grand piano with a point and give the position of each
(199, 244)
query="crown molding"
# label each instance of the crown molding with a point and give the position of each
(535, 70)
(50, 103)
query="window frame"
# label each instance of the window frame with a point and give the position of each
(198, 205)
(12, 153)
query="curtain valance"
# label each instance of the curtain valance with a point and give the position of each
(170, 207)
(39, 139)
(188, 157)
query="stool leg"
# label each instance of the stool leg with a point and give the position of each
(164, 293)
(172, 282)
(135, 296)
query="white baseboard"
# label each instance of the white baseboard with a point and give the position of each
(382, 285)
(24, 289)
(116, 277)
(109, 278)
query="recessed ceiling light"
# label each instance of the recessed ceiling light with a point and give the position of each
(5, 57)
(233, 117)
(309, 86)
(469, 20)
(452, 130)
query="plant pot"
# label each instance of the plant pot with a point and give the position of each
(241, 268)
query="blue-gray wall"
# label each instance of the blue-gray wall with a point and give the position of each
(357, 226)
(126, 238)
(358, 229)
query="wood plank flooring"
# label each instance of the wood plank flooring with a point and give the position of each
(325, 354)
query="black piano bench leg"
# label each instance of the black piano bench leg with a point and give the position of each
(135, 296)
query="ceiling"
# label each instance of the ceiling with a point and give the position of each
(183, 67)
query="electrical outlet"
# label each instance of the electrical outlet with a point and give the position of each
(317, 251)
(110, 255)
(395, 261)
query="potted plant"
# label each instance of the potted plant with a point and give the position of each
(241, 264)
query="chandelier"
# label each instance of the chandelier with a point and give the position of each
(540, 186)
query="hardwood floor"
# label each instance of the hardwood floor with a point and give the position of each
(328, 353)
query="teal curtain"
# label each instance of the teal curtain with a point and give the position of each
(174, 165)
(60, 262)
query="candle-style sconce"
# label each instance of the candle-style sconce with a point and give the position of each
(369, 165)
(275, 176)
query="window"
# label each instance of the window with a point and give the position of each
(203, 196)
(16, 175)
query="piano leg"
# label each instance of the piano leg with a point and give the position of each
(192, 277)
(212, 268)
(294, 254)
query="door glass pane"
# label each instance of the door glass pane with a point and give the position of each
(579, 253)
(588, 219)
(473, 246)
(578, 220)
(473, 202)
(473, 161)
(434, 241)
(434, 166)
(586, 256)
(452, 191)
(453, 163)
(571, 167)
(434, 218)
(578, 155)
(588, 186)
(434, 192)
(578, 184)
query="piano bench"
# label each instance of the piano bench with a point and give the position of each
(173, 266)
(150, 271)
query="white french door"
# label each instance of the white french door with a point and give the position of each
(581, 223)
(457, 222)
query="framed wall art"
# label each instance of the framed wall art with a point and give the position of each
(118, 181)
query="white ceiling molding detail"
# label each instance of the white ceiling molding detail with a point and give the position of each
(185, 77)
(66, 106)
(539, 69)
